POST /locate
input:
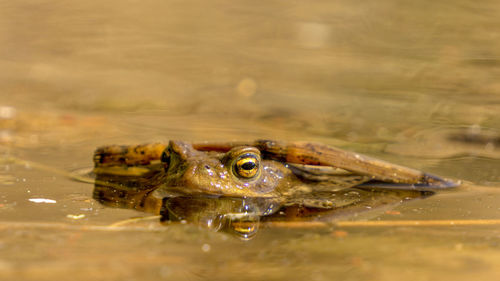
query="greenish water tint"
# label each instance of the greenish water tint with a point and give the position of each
(414, 83)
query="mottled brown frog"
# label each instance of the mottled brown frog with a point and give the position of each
(264, 169)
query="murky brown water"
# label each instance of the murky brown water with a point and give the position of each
(413, 82)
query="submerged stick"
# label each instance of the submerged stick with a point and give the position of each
(134, 220)
(393, 223)
(124, 225)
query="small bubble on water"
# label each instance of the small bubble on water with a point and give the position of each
(246, 87)
(205, 248)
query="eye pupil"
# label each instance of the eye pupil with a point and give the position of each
(248, 166)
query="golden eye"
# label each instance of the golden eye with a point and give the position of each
(246, 166)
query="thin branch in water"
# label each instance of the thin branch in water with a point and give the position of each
(133, 220)
(123, 225)
(416, 223)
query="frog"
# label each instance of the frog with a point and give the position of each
(257, 168)
(269, 174)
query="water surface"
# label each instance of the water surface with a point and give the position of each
(413, 83)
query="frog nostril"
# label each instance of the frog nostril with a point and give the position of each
(165, 156)
(165, 159)
(209, 170)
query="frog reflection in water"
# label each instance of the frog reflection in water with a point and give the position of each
(206, 182)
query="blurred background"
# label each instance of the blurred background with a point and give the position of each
(412, 82)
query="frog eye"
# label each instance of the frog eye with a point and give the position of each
(246, 166)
